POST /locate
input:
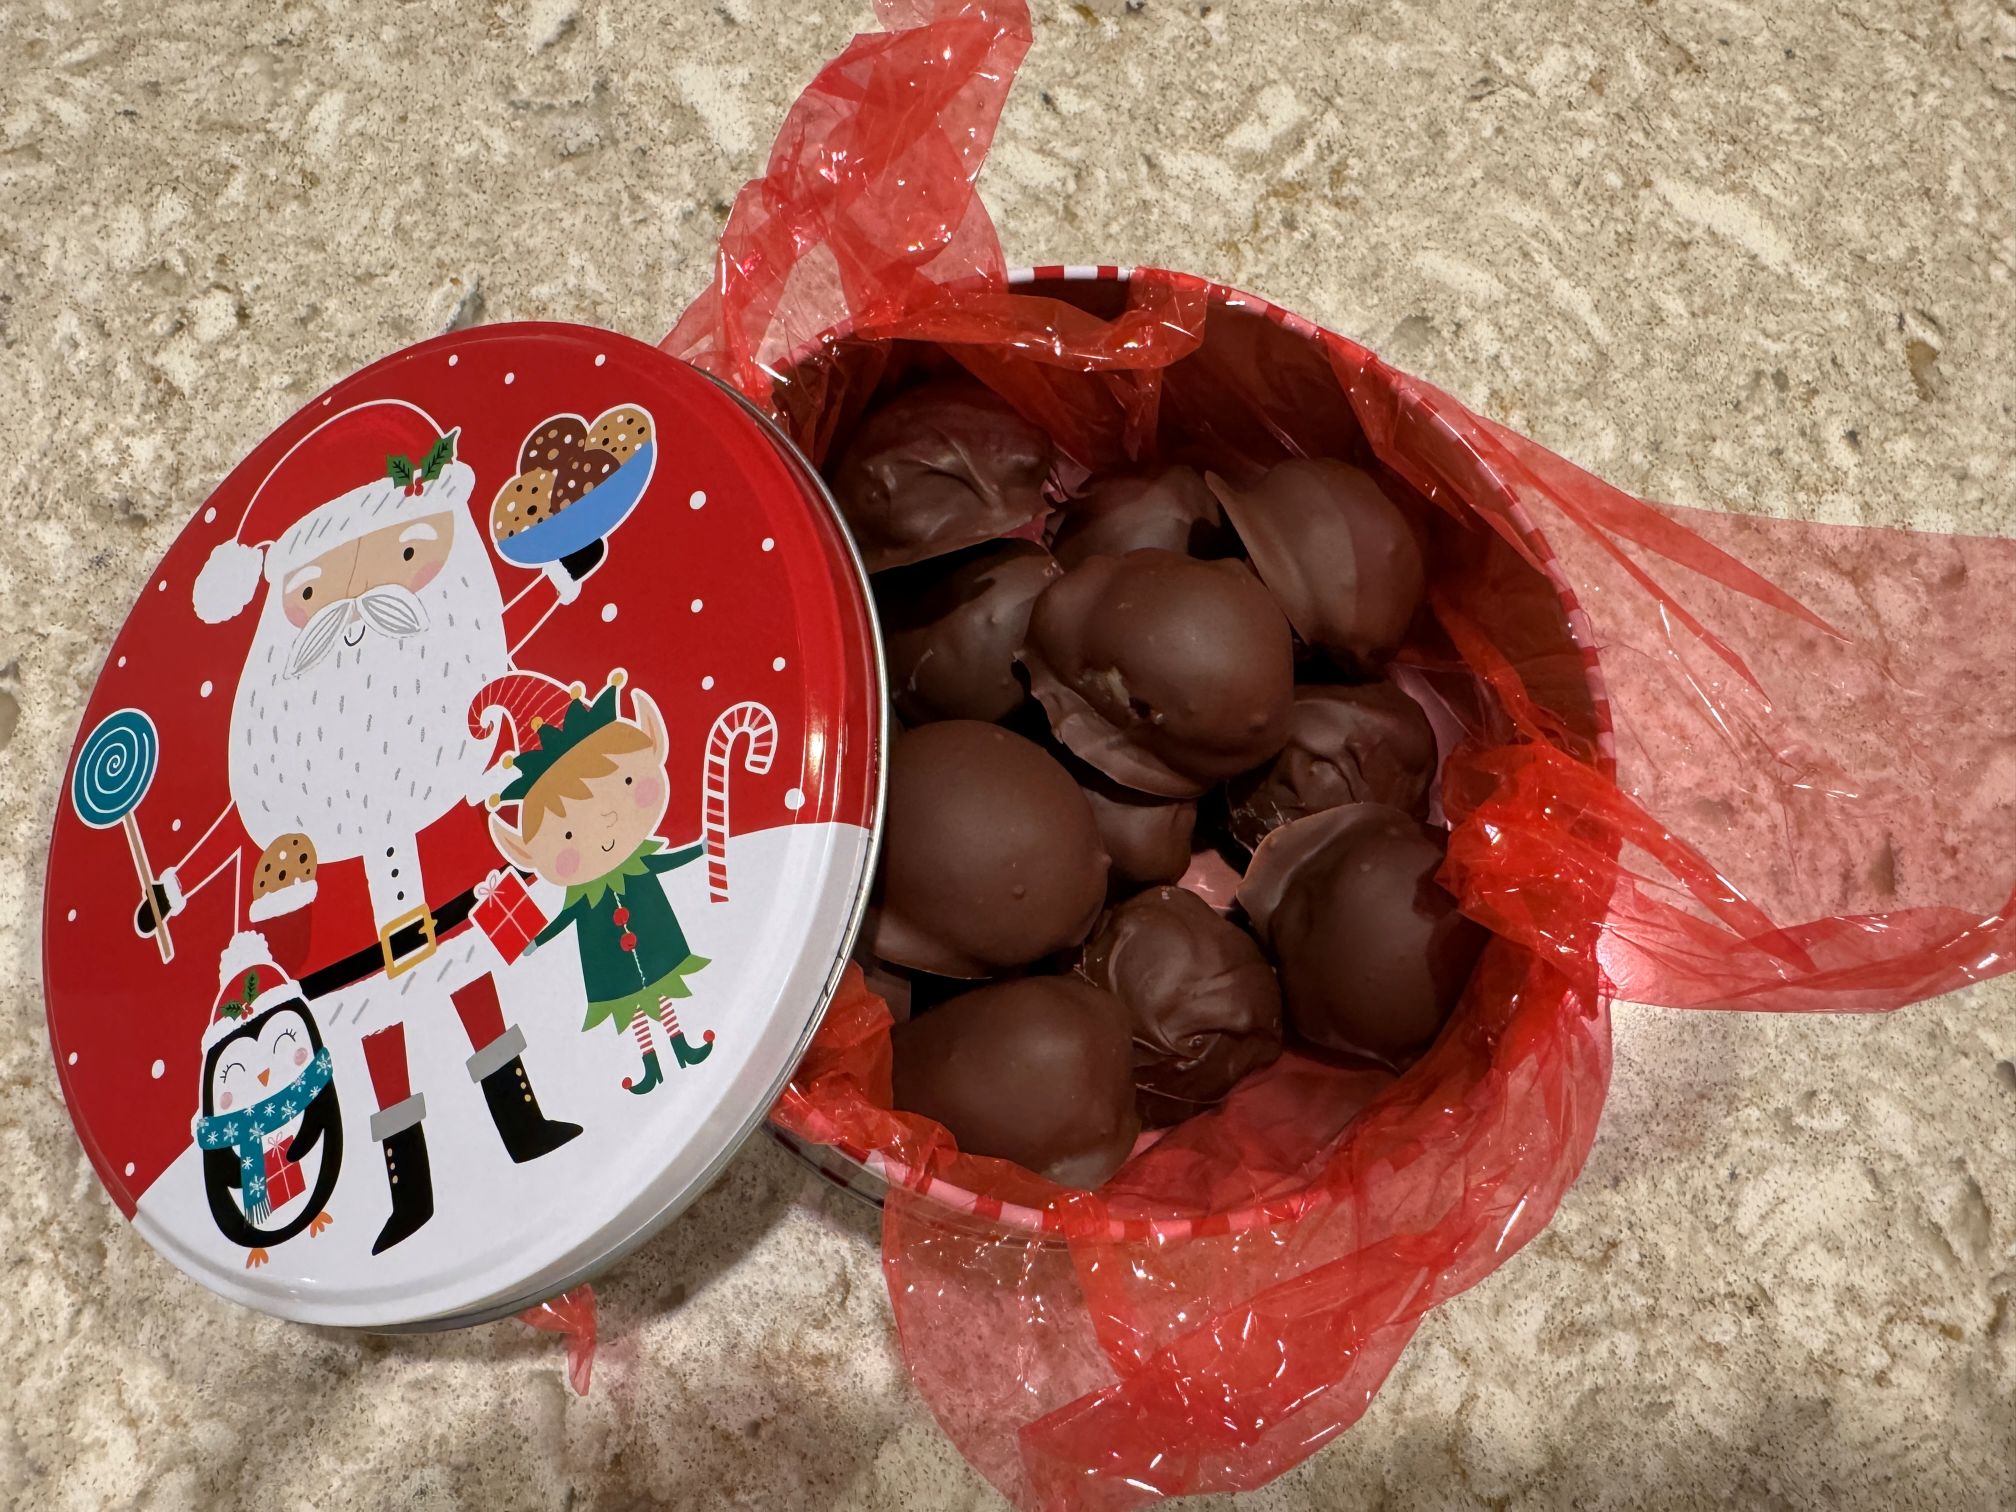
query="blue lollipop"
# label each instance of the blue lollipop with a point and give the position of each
(115, 766)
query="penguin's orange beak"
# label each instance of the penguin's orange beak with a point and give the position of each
(264, 1077)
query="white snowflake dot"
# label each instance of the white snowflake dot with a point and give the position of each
(510, 377)
(706, 682)
(210, 515)
(608, 613)
(777, 665)
(329, 399)
(207, 689)
(122, 661)
(157, 1069)
(71, 916)
(162, 586)
(697, 606)
(769, 543)
(129, 1168)
(453, 358)
(73, 1057)
(697, 498)
(176, 826)
(795, 799)
(600, 358)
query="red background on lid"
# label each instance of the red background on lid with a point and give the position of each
(119, 1010)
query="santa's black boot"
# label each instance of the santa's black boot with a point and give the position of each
(498, 1069)
(399, 1131)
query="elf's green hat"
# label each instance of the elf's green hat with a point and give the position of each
(550, 720)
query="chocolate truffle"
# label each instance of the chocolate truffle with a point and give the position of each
(1371, 951)
(1202, 1002)
(990, 858)
(951, 630)
(943, 466)
(1034, 1071)
(1166, 673)
(1365, 744)
(1173, 509)
(1341, 557)
(1149, 838)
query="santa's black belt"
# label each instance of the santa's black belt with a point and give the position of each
(400, 946)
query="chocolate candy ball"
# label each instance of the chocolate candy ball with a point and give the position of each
(990, 858)
(1202, 1002)
(1340, 556)
(951, 630)
(1034, 1071)
(1166, 673)
(1371, 951)
(1173, 509)
(1148, 838)
(1364, 744)
(943, 466)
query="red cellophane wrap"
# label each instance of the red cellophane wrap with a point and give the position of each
(1695, 760)
(571, 1315)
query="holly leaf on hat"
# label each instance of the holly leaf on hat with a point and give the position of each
(400, 470)
(439, 455)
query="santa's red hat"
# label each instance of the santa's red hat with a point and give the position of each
(357, 471)
(248, 983)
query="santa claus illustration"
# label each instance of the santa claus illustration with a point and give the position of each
(355, 834)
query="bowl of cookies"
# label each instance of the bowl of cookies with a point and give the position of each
(577, 480)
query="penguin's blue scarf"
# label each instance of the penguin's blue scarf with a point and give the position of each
(246, 1130)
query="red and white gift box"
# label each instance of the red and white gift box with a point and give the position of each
(284, 1181)
(506, 913)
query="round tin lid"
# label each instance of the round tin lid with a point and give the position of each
(501, 748)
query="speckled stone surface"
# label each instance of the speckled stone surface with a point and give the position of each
(1756, 256)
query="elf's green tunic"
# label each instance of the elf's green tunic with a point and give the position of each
(633, 951)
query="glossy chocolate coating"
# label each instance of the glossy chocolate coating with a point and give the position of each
(940, 467)
(1173, 509)
(1035, 1071)
(1365, 744)
(951, 630)
(1166, 673)
(1148, 838)
(990, 858)
(1341, 557)
(1202, 1003)
(1372, 953)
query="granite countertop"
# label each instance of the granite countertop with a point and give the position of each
(1755, 256)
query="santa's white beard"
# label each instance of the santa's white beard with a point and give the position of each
(371, 742)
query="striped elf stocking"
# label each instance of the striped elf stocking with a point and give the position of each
(640, 1030)
(685, 1053)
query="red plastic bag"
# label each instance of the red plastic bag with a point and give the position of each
(1675, 778)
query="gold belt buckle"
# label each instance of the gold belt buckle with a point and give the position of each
(395, 963)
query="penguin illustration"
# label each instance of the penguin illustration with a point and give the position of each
(269, 1126)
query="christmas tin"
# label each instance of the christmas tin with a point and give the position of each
(465, 833)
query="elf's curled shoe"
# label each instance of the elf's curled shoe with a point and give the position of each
(691, 1055)
(652, 1075)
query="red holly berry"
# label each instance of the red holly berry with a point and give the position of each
(621, 916)
(629, 940)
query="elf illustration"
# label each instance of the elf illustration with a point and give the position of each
(591, 790)
(269, 1127)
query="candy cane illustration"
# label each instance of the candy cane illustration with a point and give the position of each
(760, 726)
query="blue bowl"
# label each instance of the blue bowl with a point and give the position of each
(588, 519)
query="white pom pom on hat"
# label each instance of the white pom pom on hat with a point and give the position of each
(227, 581)
(247, 948)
